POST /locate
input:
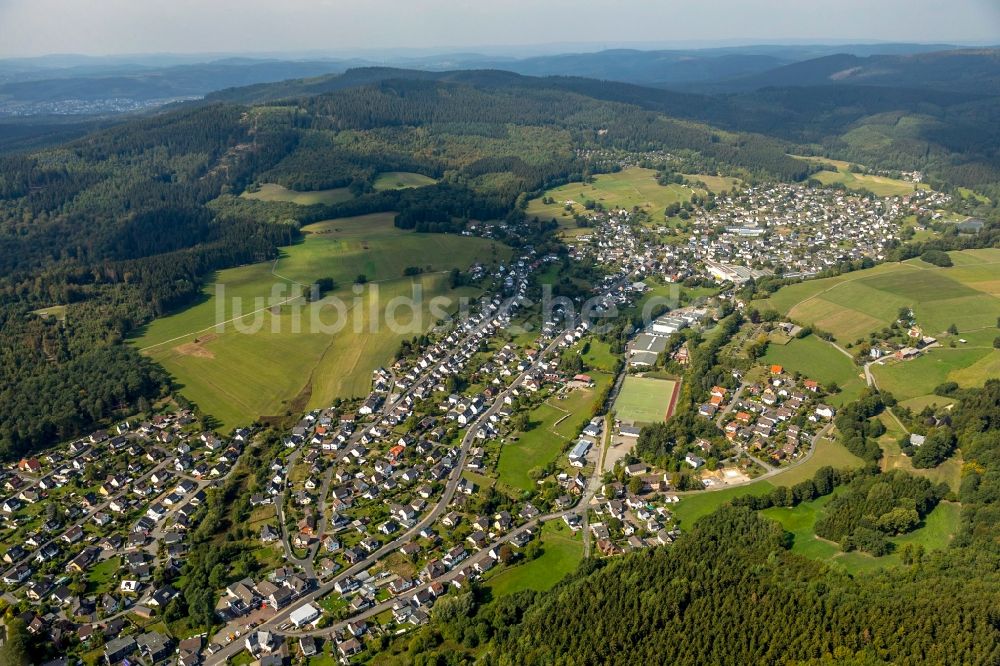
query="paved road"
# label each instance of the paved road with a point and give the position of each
(439, 508)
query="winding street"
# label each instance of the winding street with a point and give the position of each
(439, 508)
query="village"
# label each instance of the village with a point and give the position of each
(791, 230)
(372, 508)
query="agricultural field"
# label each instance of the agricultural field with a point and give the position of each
(554, 425)
(852, 305)
(259, 362)
(817, 359)
(401, 180)
(272, 192)
(645, 400)
(626, 189)
(879, 185)
(562, 551)
(937, 531)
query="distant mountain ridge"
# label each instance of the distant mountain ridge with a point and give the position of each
(962, 70)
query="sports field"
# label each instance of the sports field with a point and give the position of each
(645, 400)
(626, 189)
(401, 180)
(819, 360)
(852, 305)
(257, 363)
(272, 192)
(879, 185)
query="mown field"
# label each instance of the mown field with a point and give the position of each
(399, 180)
(273, 192)
(880, 185)
(553, 425)
(260, 362)
(816, 359)
(852, 305)
(644, 399)
(561, 553)
(626, 189)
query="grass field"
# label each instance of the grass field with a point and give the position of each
(401, 180)
(828, 452)
(819, 360)
(950, 471)
(852, 305)
(714, 183)
(969, 366)
(554, 424)
(102, 575)
(879, 185)
(599, 356)
(54, 311)
(644, 400)
(272, 192)
(626, 189)
(696, 505)
(237, 376)
(561, 553)
(937, 531)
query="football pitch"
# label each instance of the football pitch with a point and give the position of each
(646, 400)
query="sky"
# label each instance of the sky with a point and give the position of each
(106, 27)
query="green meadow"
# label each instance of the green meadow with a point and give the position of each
(629, 188)
(256, 363)
(401, 180)
(949, 471)
(273, 192)
(554, 425)
(936, 532)
(561, 553)
(879, 185)
(828, 452)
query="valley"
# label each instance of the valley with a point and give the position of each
(430, 364)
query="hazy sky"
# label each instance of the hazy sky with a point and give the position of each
(35, 27)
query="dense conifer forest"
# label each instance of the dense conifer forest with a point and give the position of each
(731, 591)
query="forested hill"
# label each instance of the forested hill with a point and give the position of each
(959, 70)
(125, 224)
(951, 134)
(732, 592)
